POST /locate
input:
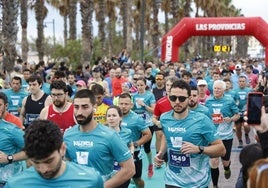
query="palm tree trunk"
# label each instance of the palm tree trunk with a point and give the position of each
(86, 9)
(9, 33)
(24, 19)
(65, 30)
(40, 14)
(155, 32)
(72, 19)
(101, 19)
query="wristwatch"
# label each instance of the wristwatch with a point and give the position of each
(201, 149)
(10, 158)
(136, 145)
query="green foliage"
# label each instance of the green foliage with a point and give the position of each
(72, 51)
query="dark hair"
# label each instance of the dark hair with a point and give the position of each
(58, 84)
(26, 70)
(17, 78)
(3, 97)
(117, 109)
(59, 74)
(124, 96)
(42, 138)
(97, 89)
(248, 155)
(144, 81)
(186, 73)
(32, 78)
(182, 85)
(194, 88)
(86, 93)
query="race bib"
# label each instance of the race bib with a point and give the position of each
(82, 158)
(217, 118)
(178, 159)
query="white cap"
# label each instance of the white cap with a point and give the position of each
(238, 66)
(202, 82)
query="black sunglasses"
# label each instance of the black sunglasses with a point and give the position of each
(173, 98)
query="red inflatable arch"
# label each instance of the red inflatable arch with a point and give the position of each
(212, 26)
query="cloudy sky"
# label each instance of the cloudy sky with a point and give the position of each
(250, 8)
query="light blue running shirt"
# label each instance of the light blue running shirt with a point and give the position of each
(74, 176)
(135, 123)
(191, 170)
(98, 148)
(149, 99)
(11, 142)
(220, 109)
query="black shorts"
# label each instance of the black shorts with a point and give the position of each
(228, 146)
(241, 119)
(138, 165)
(156, 128)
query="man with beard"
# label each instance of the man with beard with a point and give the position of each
(61, 111)
(45, 148)
(140, 133)
(193, 102)
(92, 144)
(189, 140)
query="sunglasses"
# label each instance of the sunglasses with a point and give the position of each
(173, 98)
(159, 79)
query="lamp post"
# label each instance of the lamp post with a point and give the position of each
(53, 25)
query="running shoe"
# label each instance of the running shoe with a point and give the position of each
(227, 174)
(240, 144)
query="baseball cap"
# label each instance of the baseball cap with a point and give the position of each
(81, 83)
(202, 82)
(238, 66)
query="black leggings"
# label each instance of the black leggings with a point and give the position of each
(147, 145)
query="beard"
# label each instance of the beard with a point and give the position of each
(59, 103)
(52, 174)
(82, 120)
(192, 104)
(181, 110)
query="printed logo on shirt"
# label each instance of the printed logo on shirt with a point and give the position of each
(83, 143)
(176, 129)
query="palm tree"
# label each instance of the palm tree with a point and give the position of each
(72, 18)
(111, 27)
(24, 20)
(155, 29)
(9, 33)
(86, 9)
(100, 10)
(126, 14)
(64, 8)
(40, 15)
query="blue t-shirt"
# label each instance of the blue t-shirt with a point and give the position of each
(11, 142)
(190, 170)
(74, 176)
(149, 99)
(220, 109)
(98, 148)
(241, 96)
(202, 109)
(135, 123)
(126, 135)
(15, 100)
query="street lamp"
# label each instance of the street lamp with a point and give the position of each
(53, 24)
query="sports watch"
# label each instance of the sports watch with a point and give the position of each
(10, 158)
(201, 149)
